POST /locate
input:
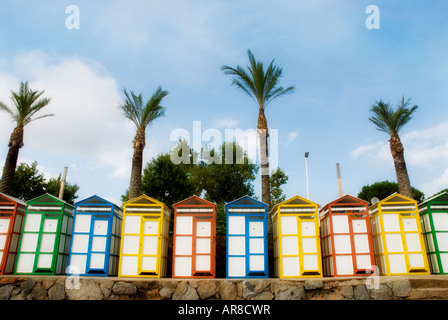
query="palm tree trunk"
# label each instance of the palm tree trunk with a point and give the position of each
(9, 169)
(397, 150)
(263, 135)
(137, 164)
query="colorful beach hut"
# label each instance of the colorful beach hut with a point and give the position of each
(347, 248)
(45, 240)
(144, 238)
(247, 243)
(194, 234)
(96, 235)
(397, 236)
(296, 238)
(434, 220)
(12, 211)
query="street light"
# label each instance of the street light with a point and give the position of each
(306, 168)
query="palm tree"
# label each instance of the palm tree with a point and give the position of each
(263, 87)
(141, 115)
(390, 122)
(26, 104)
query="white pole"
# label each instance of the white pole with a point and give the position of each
(62, 187)
(338, 173)
(306, 168)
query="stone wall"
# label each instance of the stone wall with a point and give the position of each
(97, 288)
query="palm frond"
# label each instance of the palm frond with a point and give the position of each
(142, 115)
(391, 121)
(26, 104)
(259, 84)
(153, 109)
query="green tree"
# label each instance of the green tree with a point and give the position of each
(187, 158)
(262, 86)
(26, 104)
(142, 115)
(277, 179)
(231, 178)
(383, 189)
(29, 183)
(391, 122)
(54, 184)
(165, 181)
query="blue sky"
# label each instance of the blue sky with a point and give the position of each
(338, 65)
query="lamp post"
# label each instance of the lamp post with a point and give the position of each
(306, 169)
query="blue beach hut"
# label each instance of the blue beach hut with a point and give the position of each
(94, 249)
(247, 242)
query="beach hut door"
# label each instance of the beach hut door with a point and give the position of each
(149, 245)
(4, 229)
(256, 247)
(47, 243)
(98, 245)
(203, 246)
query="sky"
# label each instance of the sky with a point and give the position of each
(340, 55)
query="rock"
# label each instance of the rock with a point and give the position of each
(185, 292)
(207, 289)
(39, 292)
(7, 281)
(124, 288)
(29, 285)
(153, 295)
(347, 292)
(313, 284)
(290, 293)
(5, 291)
(48, 283)
(382, 292)
(20, 296)
(85, 290)
(56, 292)
(106, 287)
(228, 290)
(249, 290)
(265, 295)
(168, 288)
(360, 292)
(401, 287)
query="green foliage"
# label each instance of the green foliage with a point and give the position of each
(165, 181)
(230, 178)
(53, 185)
(277, 179)
(170, 180)
(383, 189)
(26, 105)
(391, 121)
(29, 183)
(262, 86)
(142, 115)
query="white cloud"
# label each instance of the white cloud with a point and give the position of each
(378, 151)
(426, 155)
(85, 100)
(436, 184)
(427, 147)
(292, 136)
(226, 123)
